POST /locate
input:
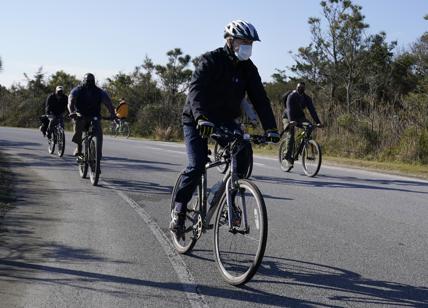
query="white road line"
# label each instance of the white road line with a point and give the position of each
(186, 278)
(259, 164)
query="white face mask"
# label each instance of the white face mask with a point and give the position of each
(244, 52)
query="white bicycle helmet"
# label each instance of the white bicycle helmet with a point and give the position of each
(241, 29)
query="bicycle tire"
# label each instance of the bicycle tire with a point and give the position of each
(181, 247)
(61, 142)
(263, 227)
(281, 157)
(94, 159)
(305, 158)
(218, 152)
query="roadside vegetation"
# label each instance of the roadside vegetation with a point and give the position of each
(371, 95)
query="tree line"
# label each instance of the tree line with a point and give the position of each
(371, 95)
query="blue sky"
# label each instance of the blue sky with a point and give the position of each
(105, 37)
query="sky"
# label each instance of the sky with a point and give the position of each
(106, 37)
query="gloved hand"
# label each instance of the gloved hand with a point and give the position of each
(204, 127)
(272, 136)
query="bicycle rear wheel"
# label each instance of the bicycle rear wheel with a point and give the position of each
(60, 141)
(311, 158)
(94, 159)
(240, 250)
(283, 163)
(185, 243)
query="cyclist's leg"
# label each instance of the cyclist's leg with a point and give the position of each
(99, 131)
(45, 122)
(197, 154)
(79, 126)
(289, 138)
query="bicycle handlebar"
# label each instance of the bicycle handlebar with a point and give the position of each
(227, 134)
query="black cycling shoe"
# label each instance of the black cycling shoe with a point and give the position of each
(177, 223)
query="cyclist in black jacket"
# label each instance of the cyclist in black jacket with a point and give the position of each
(295, 103)
(222, 79)
(86, 99)
(56, 105)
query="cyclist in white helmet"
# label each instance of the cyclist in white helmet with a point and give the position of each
(222, 79)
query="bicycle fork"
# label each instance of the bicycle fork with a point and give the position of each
(232, 187)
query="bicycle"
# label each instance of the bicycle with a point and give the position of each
(90, 160)
(120, 127)
(307, 148)
(57, 136)
(239, 211)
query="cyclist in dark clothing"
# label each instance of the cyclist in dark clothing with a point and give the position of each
(56, 105)
(294, 115)
(86, 99)
(218, 85)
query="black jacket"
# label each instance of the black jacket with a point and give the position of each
(218, 86)
(87, 101)
(295, 104)
(56, 105)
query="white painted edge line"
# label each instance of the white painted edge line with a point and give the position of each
(186, 278)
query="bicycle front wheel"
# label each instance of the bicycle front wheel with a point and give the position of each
(187, 241)
(94, 159)
(311, 158)
(61, 142)
(239, 248)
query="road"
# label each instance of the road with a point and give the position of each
(347, 238)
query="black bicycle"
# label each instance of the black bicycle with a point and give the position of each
(120, 127)
(57, 136)
(90, 160)
(304, 146)
(239, 211)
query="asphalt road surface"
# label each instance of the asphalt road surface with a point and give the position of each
(346, 238)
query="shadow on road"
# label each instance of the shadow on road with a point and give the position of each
(347, 182)
(138, 164)
(342, 286)
(135, 186)
(20, 144)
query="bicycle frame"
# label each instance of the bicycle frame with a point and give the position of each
(302, 139)
(230, 180)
